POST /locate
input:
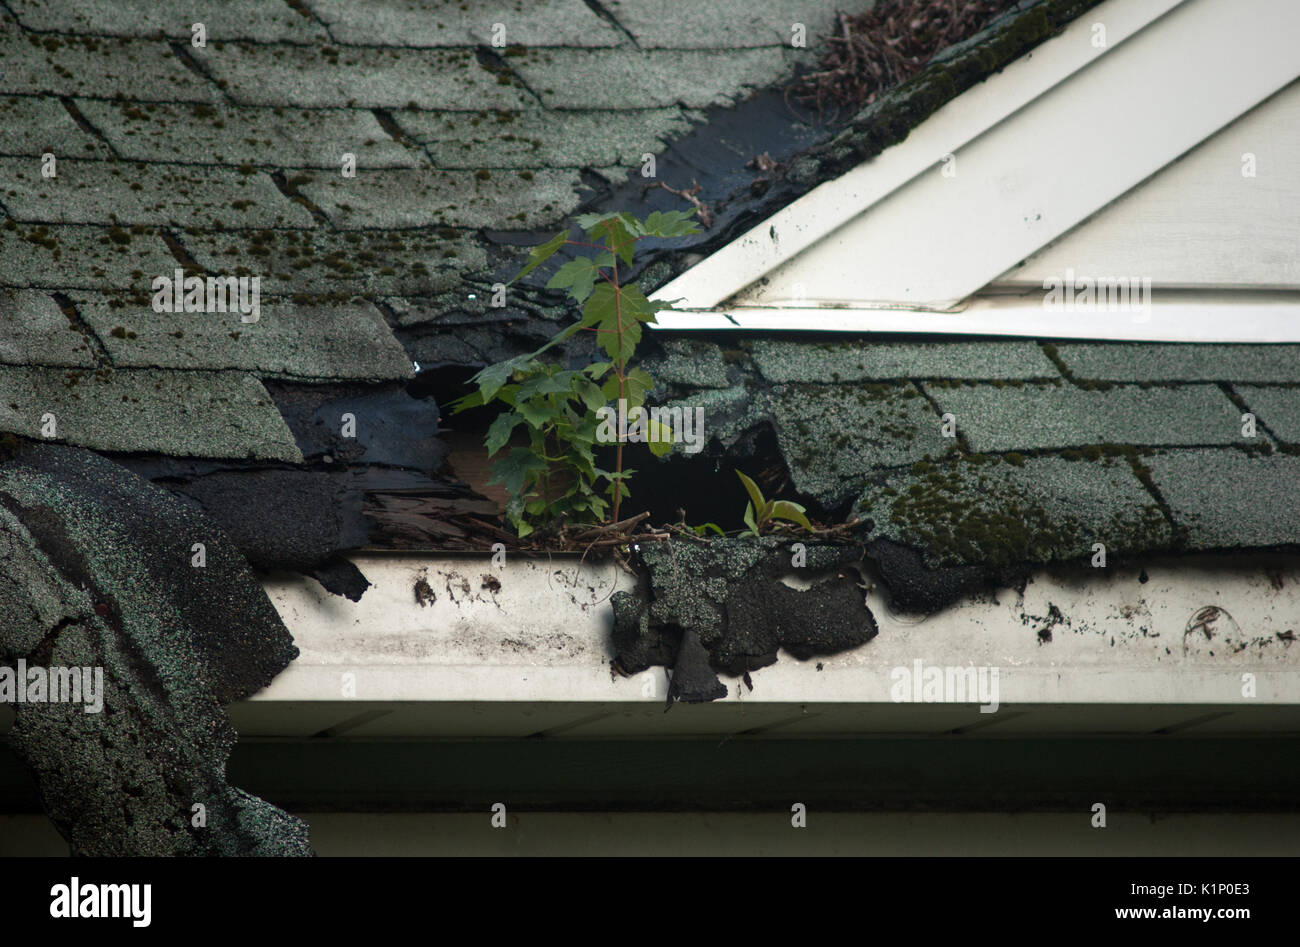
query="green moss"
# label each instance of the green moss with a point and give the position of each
(963, 513)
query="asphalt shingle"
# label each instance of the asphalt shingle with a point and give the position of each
(33, 126)
(73, 256)
(1279, 408)
(99, 67)
(687, 362)
(1228, 498)
(101, 192)
(184, 413)
(341, 341)
(354, 77)
(455, 23)
(263, 20)
(280, 138)
(847, 362)
(413, 262)
(735, 24)
(997, 512)
(538, 138)
(1122, 361)
(1035, 417)
(627, 78)
(400, 199)
(35, 331)
(832, 437)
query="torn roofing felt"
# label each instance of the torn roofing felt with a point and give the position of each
(97, 571)
(224, 160)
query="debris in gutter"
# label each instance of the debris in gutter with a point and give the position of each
(726, 597)
(882, 47)
(693, 680)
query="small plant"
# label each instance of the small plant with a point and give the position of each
(761, 513)
(555, 478)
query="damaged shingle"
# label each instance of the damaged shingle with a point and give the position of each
(725, 598)
(108, 580)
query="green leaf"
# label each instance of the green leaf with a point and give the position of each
(577, 276)
(491, 379)
(512, 470)
(537, 415)
(614, 231)
(749, 518)
(522, 528)
(638, 384)
(707, 527)
(755, 494)
(500, 429)
(793, 512)
(472, 400)
(545, 384)
(539, 255)
(587, 221)
(592, 397)
(673, 223)
(618, 330)
(661, 437)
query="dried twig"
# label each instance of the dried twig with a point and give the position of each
(703, 214)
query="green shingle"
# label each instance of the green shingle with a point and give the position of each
(1036, 417)
(1148, 361)
(181, 413)
(1226, 499)
(856, 361)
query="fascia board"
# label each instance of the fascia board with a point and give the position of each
(1176, 317)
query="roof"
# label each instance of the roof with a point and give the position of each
(227, 159)
(191, 446)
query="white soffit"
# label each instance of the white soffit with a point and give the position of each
(1055, 137)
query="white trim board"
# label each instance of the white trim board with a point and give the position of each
(1200, 222)
(1023, 180)
(834, 203)
(1173, 317)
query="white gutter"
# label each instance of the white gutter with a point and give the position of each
(533, 657)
